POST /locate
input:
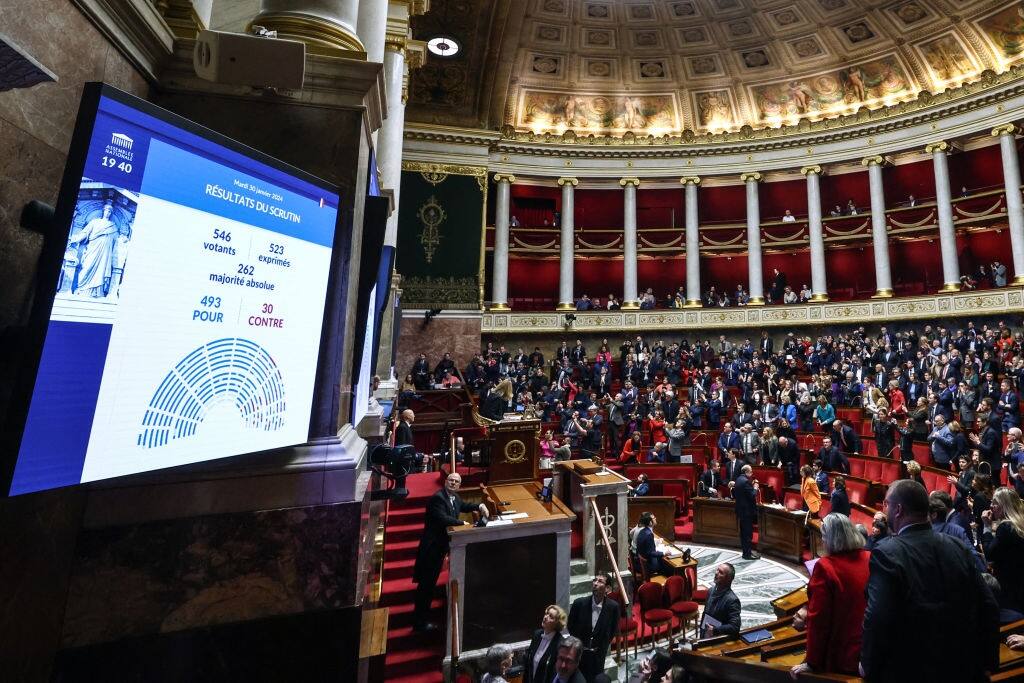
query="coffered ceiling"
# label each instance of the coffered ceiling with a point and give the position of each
(609, 67)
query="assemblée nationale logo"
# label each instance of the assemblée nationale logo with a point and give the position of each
(121, 147)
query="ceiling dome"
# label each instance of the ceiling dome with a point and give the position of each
(679, 67)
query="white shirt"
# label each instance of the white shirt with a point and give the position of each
(595, 612)
(545, 642)
(789, 219)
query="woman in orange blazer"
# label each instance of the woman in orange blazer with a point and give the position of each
(809, 490)
(836, 600)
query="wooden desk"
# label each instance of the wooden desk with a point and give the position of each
(715, 523)
(528, 559)
(780, 532)
(789, 604)
(664, 509)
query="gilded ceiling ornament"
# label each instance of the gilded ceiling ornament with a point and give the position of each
(431, 216)
(434, 177)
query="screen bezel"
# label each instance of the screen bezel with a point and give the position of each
(51, 257)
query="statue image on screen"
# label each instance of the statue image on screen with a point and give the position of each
(97, 249)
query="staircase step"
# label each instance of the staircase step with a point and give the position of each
(398, 533)
(577, 567)
(398, 569)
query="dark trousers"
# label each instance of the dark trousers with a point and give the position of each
(746, 534)
(614, 440)
(425, 590)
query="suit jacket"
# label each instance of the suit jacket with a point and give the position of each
(403, 435)
(920, 583)
(546, 666)
(732, 469)
(725, 442)
(711, 480)
(840, 502)
(847, 441)
(746, 498)
(647, 549)
(441, 514)
(833, 460)
(598, 638)
(725, 607)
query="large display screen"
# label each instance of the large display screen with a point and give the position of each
(189, 305)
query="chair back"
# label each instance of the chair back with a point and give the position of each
(645, 573)
(650, 596)
(675, 589)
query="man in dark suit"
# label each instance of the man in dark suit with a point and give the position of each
(567, 663)
(744, 491)
(766, 345)
(727, 440)
(845, 439)
(443, 511)
(789, 457)
(733, 467)
(920, 583)
(646, 546)
(722, 605)
(594, 619)
(989, 442)
(832, 459)
(838, 500)
(403, 433)
(1008, 405)
(710, 480)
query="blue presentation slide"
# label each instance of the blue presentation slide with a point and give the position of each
(189, 306)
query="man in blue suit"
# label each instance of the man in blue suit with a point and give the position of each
(942, 443)
(1008, 405)
(744, 491)
(646, 547)
(727, 440)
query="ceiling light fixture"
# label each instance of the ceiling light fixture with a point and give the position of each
(444, 46)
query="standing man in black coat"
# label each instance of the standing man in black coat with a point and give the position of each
(594, 621)
(403, 433)
(990, 443)
(443, 511)
(723, 606)
(744, 491)
(921, 582)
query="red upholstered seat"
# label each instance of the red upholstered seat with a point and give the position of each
(857, 466)
(627, 627)
(700, 594)
(676, 595)
(652, 614)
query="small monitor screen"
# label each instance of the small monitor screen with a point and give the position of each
(189, 303)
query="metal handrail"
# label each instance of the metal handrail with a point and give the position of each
(611, 555)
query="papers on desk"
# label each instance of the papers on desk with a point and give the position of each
(514, 515)
(669, 550)
(499, 522)
(604, 473)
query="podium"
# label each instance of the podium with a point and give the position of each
(579, 482)
(513, 451)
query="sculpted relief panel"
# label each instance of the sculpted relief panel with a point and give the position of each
(585, 113)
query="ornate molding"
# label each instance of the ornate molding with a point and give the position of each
(1005, 129)
(136, 29)
(990, 302)
(396, 42)
(751, 175)
(938, 146)
(877, 160)
(450, 169)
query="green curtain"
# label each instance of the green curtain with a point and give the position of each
(439, 230)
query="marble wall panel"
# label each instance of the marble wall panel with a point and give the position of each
(458, 336)
(181, 574)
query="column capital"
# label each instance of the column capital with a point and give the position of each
(938, 146)
(629, 181)
(751, 176)
(565, 180)
(690, 180)
(876, 160)
(1006, 129)
(508, 177)
(416, 7)
(808, 170)
(396, 42)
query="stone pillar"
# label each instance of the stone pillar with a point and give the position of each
(692, 243)
(879, 231)
(1014, 208)
(819, 287)
(371, 27)
(630, 301)
(754, 275)
(944, 206)
(566, 248)
(499, 277)
(325, 26)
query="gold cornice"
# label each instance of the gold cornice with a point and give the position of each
(629, 181)
(1006, 129)
(807, 170)
(396, 42)
(320, 36)
(687, 180)
(568, 181)
(750, 175)
(498, 177)
(938, 146)
(451, 169)
(878, 160)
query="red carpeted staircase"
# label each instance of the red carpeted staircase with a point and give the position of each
(410, 656)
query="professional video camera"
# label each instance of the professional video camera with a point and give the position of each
(395, 464)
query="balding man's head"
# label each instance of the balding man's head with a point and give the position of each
(408, 416)
(747, 470)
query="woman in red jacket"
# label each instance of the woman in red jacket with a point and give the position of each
(836, 600)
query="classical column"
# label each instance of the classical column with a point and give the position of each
(630, 300)
(944, 206)
(1014, 208)
(328, 24)
(499, 277)
(692, 243)
(756, 285)
(819, 287)
(879, 232)
(371, 27)
(566, 302)
(400, 55)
